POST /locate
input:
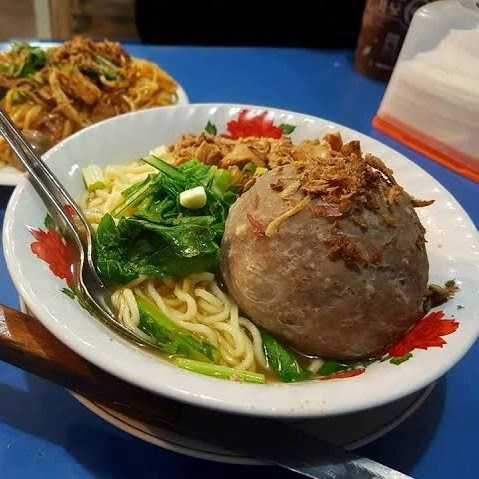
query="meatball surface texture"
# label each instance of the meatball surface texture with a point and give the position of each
(338, 274)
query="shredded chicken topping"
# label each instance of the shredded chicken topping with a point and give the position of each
(226, 152)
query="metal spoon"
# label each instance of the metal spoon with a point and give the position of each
(78, 232)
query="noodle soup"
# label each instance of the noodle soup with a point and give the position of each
(246, 257)
(196, 303)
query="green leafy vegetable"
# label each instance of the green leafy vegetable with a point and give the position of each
(134, 195)
(155, 235)
(222, 182)
(31, 60)
(134, 188)
(171, 338)
(332, 367)
(136, 247)
(113, 262)
(217, 371)
(187, 239)
(157, 211)
(211, 128)
(165, 264)
(287, 129)
(401, 359)
(36, 59)
(283, 362)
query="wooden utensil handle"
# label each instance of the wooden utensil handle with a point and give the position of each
(27, 344)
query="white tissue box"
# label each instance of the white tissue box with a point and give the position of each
(432, 100)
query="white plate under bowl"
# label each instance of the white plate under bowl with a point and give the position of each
(350, 430)
(11, 176)
(452, 247)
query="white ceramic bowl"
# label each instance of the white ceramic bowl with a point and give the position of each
(452, 246)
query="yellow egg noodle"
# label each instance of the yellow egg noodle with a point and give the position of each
(195, 303)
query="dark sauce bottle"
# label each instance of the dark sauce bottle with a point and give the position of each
(384, 27)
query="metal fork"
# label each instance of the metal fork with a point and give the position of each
(79, 232)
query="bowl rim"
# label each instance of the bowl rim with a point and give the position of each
(251, 398)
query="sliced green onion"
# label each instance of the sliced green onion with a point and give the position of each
(222, 180)
(165, 168)
(134, 195)
(194, 198)
(222, 372)
(93, 177)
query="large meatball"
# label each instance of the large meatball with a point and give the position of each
(339, 279)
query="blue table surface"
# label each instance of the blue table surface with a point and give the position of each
(44, 432)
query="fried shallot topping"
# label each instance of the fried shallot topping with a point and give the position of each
(420, 203)
(339, 179)
(345, 179)
(336, 180)
(256, 226)
(343, 247)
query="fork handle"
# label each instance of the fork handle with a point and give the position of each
(27, 344)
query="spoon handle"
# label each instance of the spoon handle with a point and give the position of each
(25, 343)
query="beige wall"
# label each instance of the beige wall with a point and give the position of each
(96, 18)
(105, 18)
(16, 19)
